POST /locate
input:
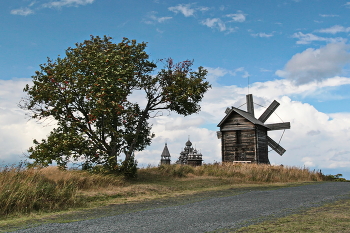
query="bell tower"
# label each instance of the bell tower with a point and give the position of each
(165, 157)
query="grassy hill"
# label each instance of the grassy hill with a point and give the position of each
(24, 191)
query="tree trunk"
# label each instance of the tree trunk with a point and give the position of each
(129, 153)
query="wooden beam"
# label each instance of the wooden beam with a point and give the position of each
(236, 128)
(250, 104)
(278, 126)
(274, 145)
(219, 134)
(269, 111)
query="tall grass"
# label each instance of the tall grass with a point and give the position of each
(245, 173)
(25, 190)
(48, 189)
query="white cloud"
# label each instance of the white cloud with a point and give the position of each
(217, 23)
(335, 29)
(241, 70)
(308, 161)
(162, 19)
(215, 73)
(262, 34)
(309, 37)
(22, 11)
(246, 74)
(67, 3)
(347, 4)
(316, 64)
(222, 8)
(152, 18)
(32, 3)
(324, 15)
(160, 31)
(288, 87)
(203, 8)
(17, 132)
(185, 9)
(265, 70)
(238, 17)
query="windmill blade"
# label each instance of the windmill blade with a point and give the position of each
(250, 104)
(269, 111)
(274, 145)
(278, 126)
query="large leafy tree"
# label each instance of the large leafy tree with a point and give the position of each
(87, 94)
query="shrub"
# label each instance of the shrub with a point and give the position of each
(129, 168)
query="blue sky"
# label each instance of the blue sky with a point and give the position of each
(294, 51)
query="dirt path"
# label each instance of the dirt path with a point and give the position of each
(226, 210)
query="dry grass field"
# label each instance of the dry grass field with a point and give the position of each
(24, 191)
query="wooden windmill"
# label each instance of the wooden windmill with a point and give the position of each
(244, 138)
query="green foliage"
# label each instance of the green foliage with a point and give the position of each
(88, 95)
(129, 168)
(335, 178)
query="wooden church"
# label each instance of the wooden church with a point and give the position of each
(165, 156)
(244, 137)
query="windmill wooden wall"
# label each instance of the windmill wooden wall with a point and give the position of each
(262, 148)
(238, 139)
(242, 140)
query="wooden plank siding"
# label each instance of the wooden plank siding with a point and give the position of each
(236, 122)
(238, 139)
(262, 150)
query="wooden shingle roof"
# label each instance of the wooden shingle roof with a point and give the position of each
(166, 152)
(244, 114)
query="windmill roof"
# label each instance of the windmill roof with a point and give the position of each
(244, 114)
(165, 152)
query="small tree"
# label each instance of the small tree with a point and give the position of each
(87, 93)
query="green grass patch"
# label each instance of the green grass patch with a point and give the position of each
(333, 217)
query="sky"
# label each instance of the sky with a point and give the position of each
(294, 51)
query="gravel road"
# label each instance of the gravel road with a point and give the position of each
(229, 212)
